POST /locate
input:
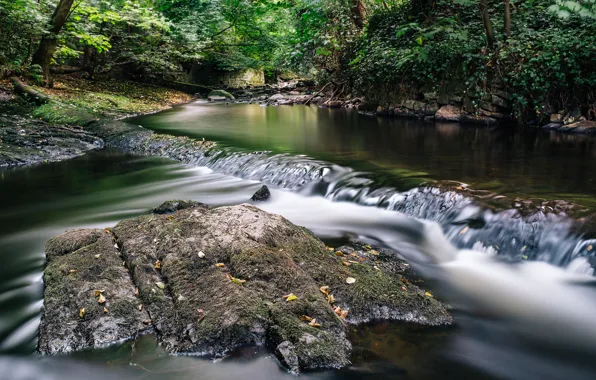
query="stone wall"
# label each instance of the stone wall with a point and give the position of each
(207, 75)
(446, 102)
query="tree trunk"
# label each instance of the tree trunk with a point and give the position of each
(47, 46)
(507, 18)
(358, 13)
(488, 25)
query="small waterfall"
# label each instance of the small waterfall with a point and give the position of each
(540, 236)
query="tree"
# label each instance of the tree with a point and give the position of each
(488, 25)
(48, 44)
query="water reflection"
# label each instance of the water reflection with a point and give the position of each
(531, 161)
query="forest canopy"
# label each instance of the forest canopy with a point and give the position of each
(542, 49)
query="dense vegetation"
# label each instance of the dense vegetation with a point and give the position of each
(544, 51)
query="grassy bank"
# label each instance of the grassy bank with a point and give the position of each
(80, 100)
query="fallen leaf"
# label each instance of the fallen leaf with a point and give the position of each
(343, 314)
(404, 288)
(97, 256)
(314, 323)
(107, 230)
(220, 265)
(137, 292)
(466, 228)
(376, 267)
(105, 310)
(340, 254)
(324, 290)
(82, 313)
(101, 299)
(337, 310)
(116, 246)
(373, 252)
(404, 280)
(459, 188)
(140, 307)
(428, 294)
(157, 265)
(290, 297)
(590, 247)
(305, 318)
(147, 321)
(361, 259)
(97, 293)
(330, 298)
(160, 285)
(346, 263)
(201, 255)
(350, 280)
(235, 280)
(331, 248)
(72, 271)
(367, 247)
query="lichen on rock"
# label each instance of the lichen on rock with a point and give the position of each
(215, 279)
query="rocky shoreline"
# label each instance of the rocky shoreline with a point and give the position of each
(209, 280)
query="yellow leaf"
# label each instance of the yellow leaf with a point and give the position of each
(101, 299)
(350, 280)
(234, 279)
(340, 254)
(220, 265)
(97, 256)
(97, 293)
(590, 247)
(373, 252)
(464, 230)
(157, 265)
(160, 285)
(428, 294)
(314, 323)
(343, 314)
(305, 318)
(331, 248)
(337, 310)
(82, 313)
(72, 271)
(346, 263)
(137, 292)
(324, 290)
(290, 297)
(105, 310)
(330, 298)
(404, 288)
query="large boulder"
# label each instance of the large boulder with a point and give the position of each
(214, 279)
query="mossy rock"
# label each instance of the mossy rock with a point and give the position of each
(223, 93)
(215, 279)
(81, 262)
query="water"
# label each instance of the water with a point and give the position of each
(521, 285)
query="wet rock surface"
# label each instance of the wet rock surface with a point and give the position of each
(261, 195)
(89, 299)
(212, 280)
(25, 141)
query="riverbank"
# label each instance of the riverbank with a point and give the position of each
(62, 128)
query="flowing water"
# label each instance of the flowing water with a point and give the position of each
(520, 283)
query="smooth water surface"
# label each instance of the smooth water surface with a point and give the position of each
(403, 151)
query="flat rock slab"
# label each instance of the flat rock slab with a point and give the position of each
(82, 265)
(215, 279)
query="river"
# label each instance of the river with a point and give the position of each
(521, 286)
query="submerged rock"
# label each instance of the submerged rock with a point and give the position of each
(262, 194)
(260, 280)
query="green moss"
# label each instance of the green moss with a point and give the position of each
(59, 113)
(223, 93)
